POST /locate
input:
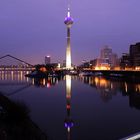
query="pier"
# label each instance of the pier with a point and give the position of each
(123, 73)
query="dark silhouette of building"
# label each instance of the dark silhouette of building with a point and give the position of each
(125, 61)
(135, 54)
(93, 63)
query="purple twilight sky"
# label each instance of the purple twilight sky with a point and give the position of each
(32, 29)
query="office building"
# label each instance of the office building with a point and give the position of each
(47, 59)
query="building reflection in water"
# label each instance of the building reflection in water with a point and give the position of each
(44, 82)
(17, 82)
(18, 76)
(12, 82)
(68, 121)
(109, 87)
(103, 86)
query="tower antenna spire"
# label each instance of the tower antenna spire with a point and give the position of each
(68, 3)
(68, 8)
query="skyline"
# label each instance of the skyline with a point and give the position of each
(33, 29)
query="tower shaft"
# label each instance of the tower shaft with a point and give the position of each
(68, 50)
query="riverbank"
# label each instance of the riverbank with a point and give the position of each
(16, 123)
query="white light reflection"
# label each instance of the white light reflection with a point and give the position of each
(68, 86)
(33, 81)
(68, 129)
(12, 75)
(44, 81)
(138, 88)
(126, 87)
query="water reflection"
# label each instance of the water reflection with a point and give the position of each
(104, 87)
(44, 82)
(12, 82)
(18, 78)
(68, 121)
(107, 88)
(92, 115)
(14, 75)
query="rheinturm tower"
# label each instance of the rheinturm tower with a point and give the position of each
(68, 21)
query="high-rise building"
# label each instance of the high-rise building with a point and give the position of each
(47, 59)
(135, 54)
(114, 60)
(125, 61)
(106, 54)
(68, 21)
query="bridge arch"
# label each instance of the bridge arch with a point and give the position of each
(11, 66)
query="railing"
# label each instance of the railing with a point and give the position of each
(16, 68)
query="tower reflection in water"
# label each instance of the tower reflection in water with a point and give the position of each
(68, 123)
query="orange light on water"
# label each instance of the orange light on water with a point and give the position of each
(43, 69)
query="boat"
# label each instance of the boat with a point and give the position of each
(98, 73)
(116, 74)
(86, 74)
(36, 74)
(73, 72)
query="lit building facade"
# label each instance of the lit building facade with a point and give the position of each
(114, 60)
(108, 57)
(47, 59)
(106, 54)
(68, 21)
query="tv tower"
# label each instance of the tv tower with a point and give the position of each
(68, 21)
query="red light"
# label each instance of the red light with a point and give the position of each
(68, 96)
(68, 106)
(48, 85)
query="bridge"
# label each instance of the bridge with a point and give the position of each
(14, 64)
